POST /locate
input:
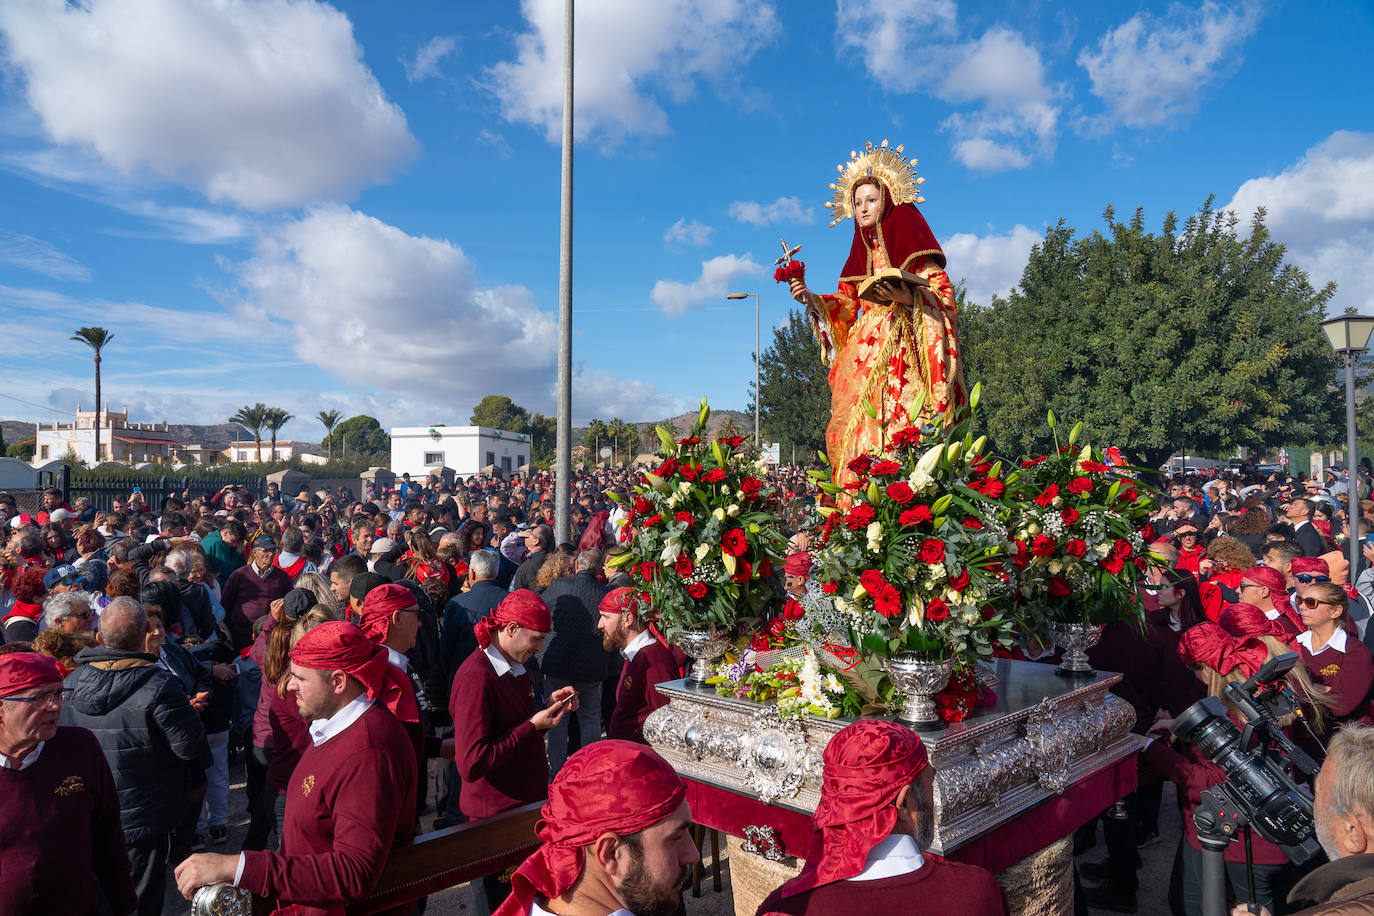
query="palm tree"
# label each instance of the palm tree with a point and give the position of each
(596, 431)
(330, 419)
(96, 339)
(275, 419)
(253, 418)
(729, 429)
(621, 434)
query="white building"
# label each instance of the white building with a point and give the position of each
(248, 451)
(120, 440)
(421, 450)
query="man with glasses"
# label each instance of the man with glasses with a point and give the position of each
(60, 806)
(1266, 589)
(538, 541)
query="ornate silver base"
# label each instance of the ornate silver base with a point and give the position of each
(705, 647)
(1075, 639)
(918, 680)
(221, 900)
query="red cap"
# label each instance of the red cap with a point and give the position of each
(522, 607)
(341, 646)
(1270, 578)
(379, 606)
(1244, 621)
(798, 564)
(21, 672)
(1311, 565)
(1210, 645)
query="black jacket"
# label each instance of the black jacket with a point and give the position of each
(195, 600)
(574, 651)
(529, 570)
(151, 736)
(1310, 540)
(460, 616)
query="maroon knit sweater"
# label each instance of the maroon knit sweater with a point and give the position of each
(349, 801)
(500, 755)
(635, 696)
(944, 888)
(247, 596)
(1349, 674)
(59, 824)
(290, 737)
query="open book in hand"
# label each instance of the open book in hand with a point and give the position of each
(868, 288)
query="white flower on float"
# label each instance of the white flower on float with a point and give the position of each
(671, 548)
(875, 535)
(672, 501)
(732, 510)
(702, 551)
(685, 487)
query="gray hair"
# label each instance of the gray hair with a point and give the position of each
(484, 564)
(1351, 754)
(589, 559)
(61, 606)
(124, 625)
(179, 561)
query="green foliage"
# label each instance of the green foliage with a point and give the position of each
(1202, 339)
(498, 411)
(253, 417)
(543, 439)
(595, 436)
(329, 419)
(23, 450)
(795, 402)
(362, 437)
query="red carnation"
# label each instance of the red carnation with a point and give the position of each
(653, 520)
(859, 517)
(668, 468)
(690, 440)
(689, 470)
(889, 604)
(900, 492)
(993, 488)
(937, 610)
(860, 466)
(642, 505)
(916, 515)
(973, 523)
(684, 517)
(885, 467)
(1076, 548)
(734, 542)
(733, 441)
(1022, 555)
(715, 475)
(1094, 467)
(648, 571)
(932, 550)
(1080, 485)
(960, 582)
(1048, 496)
(1069, 515)
(751, 486)
(744, 571)
(697, 590)
(906, 437)
(1059, 586)
(683, 567)
(1042, 546)
(765, 569)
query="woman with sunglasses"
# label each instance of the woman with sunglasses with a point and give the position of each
(1337, 662)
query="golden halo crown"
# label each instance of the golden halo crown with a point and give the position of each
(883, 163)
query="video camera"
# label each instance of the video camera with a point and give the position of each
(1257, 791)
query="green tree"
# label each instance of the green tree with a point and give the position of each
(596, 433)
(363, 436)
(795, 402)
(96, 339)
(498, 411)
(623, 437)
(1203, 339)
(274, 419)
(330, 419)
(543, 439)
(23, 450)
(254, 418)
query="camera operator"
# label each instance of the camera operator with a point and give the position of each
(1344, 811)
(1217, 657)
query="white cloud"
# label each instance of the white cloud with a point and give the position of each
(496, 141)
(717, 274)
(989, 265)
(597, 393)
(425, 63)
(1322, 208)
(628, 52)
(1150, 70)
(29, 253)
(263, 103)
(915, 46)
(782, 210)
(689, 232)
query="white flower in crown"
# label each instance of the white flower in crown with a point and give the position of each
(875, 535)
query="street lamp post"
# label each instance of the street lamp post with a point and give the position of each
(758, 444)
(1349, 337)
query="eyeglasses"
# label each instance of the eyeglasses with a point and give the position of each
(1311, 603)
(1309, 578)
(1245, 585)
(52, 698)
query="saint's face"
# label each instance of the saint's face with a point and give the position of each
(868, 205)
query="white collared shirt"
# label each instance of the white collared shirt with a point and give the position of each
(896, 855)
(321, 730)
(536, 909)
(1272, 613)
(28, 761)
(1337, 641)
(397, 659)
(498, 661)
(639, 642)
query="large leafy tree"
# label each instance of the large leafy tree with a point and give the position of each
(498, 411)
(543, 438)
(96, 339)
(363, 436)
(1203, 339)
(253, 417)
(795, 388)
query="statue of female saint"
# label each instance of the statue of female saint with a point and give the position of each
(899, 354)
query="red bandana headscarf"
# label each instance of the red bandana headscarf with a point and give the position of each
(1245, 621)
(380, 604)
(866, 765)
(798, 564)
(1311, 565)
(21, 672)
(1210, 645)
(521, 606)
(341, 646)
(611, 786)
(627, 600)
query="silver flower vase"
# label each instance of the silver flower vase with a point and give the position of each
(704, 646)
(1075, 639)
(918, 680)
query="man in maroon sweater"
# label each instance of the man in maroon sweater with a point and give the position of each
(350, 799)
(498, 737)
(648, 662)
(59, 823)
(251, 589)
(390, 616)
(865, 853)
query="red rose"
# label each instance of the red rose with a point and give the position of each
(697, 590)
(1148, 532)
(765, 569)
(1140, 563)
(873, 582)
(1048, 496)
(1069, 515)
(860, 466)
(1121, 549)
(830, 588)
(734, 542)
(1113, 564)
(885, 467)
(1080, 485)
(973, 523)
(1059, 586)
(1094, 467)
(960, 582)
(900, 492)
(988, 612)
(751, 486)
(744, 571)
(642, 505)
(683, 566)
(648, 571)
(684, 517)
(937, 610)
(916, 515)
(776, 626)
(1129, 496)
(1042, 546)
(792, 609)
(859, 517)
(1075, 548)
(759, 643)
(689, 471)
(932, 550)
(668, 468)
(715, 475)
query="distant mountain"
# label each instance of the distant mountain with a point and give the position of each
(15, 431)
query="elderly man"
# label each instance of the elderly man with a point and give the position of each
(615, 838)
(69, 612)
(1267, 589)
(153, 739)
(873, 816)
(352, 795)
(648, 661)
(251, 589)
(59, 825)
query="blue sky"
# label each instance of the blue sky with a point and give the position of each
(355, 206)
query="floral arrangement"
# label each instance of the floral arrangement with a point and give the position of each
(798, 683)
(1080, 535)
(706, 533)
(914, 550)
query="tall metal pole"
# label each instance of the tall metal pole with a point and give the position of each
(757, 394)
(1352, 479)
(563, 472)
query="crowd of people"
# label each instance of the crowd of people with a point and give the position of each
(434, 648)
